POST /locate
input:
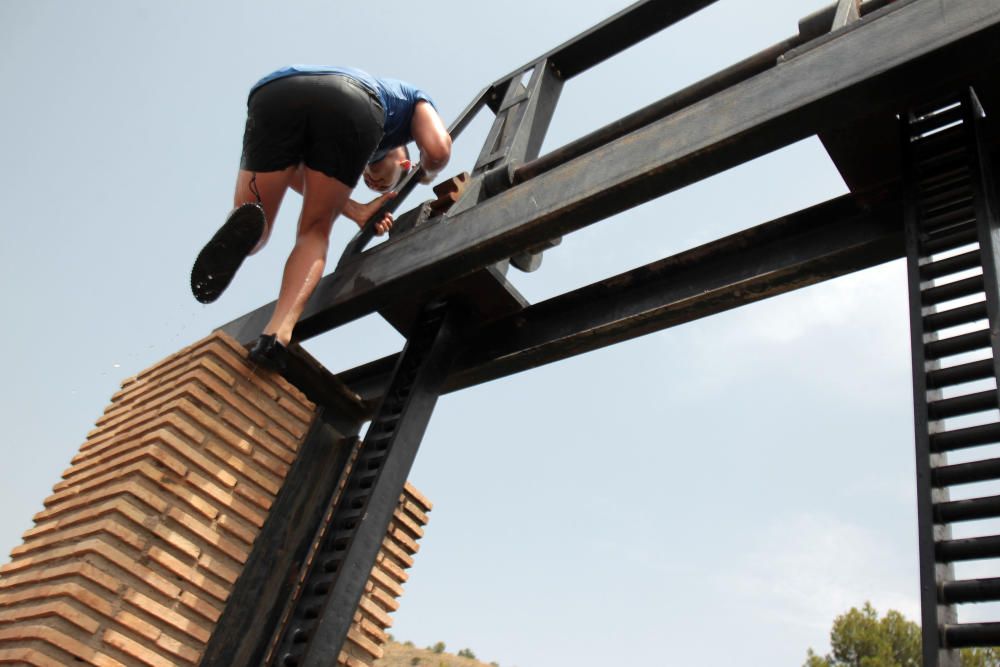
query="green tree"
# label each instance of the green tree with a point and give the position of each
(438, 648)
(859, 638)
(981, 657)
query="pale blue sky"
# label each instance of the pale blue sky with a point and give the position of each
(717, 490)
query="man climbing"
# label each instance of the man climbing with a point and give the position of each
(317, 130)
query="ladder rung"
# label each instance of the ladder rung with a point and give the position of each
(381, 437)
(961, 228)
(948, 218)
(966, 473)
(320, 586)
(967, 510)
(946, 377)
(970, 590)
(938, 145)
(352, 514)
(938, 156)
(953, 317)
(302, 628)
(946, 201)
(945, 267)
(962, 405)
(930, 107)
(963, 635)
(965, 437)
(956, 239)
(953, 290)
(955, 208)
(945, 179)
(939, 119)
(289, 659)
(970, 548)
(941, 140)
(387, 425)
(946, 347)
(947, 193)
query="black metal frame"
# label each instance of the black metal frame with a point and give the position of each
(351, 534)
(878, 62)
(270, 576)
(867, 67)
(951, 230)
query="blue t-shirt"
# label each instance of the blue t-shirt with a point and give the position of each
(398, 99)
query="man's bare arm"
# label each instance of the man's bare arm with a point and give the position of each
(353, 210)
(432, 138)
(360, 213)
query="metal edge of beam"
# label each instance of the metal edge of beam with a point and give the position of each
(732, 75)
(423, 367)
(613, 35)
(864, 68)
(735, 73)
(819, 243)
(823, 242)
(269, 576)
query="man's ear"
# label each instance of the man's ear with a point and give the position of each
(404, 165)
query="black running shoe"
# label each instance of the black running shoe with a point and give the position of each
(219, 260)
(268, 353)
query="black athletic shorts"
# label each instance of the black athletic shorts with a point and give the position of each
(331, 123)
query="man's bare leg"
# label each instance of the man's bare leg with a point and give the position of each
(271, 185)
(245, 231)
(324, 198)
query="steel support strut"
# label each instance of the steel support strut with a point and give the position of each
(952, 249)
(261, 594)
(525, 103)
(335, 574)
(846, 77)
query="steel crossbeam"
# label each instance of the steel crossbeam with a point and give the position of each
(849, 72)
(823, 242)
(880, 63)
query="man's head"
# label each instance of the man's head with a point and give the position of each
(385, 174)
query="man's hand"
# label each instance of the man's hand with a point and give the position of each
(360, 213)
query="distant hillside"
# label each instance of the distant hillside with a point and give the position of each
(401, 655)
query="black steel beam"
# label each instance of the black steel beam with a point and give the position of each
(616, 34)
(808, 247)
(269, 576)
(819, 243)
(696, 92)
(881, 64)
(342, 563)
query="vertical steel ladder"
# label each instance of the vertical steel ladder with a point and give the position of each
(952, 248)
(319, 616)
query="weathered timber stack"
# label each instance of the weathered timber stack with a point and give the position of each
(140, 545)
(367, 637)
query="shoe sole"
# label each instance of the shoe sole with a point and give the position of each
(221, 257)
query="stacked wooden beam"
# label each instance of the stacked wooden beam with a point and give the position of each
(367, 636)
(140, 545)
